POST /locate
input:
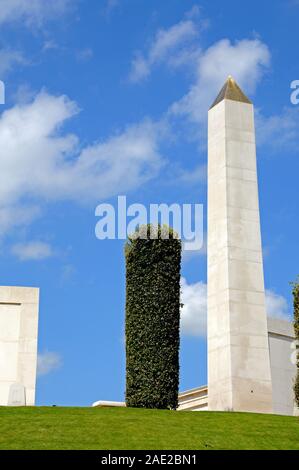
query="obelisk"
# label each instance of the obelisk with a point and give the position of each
(239, 377)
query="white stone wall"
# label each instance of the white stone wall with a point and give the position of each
(283, 369)
(18, 340)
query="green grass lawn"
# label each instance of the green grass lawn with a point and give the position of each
(121, 428)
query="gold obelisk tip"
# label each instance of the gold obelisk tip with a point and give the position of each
(231, 91)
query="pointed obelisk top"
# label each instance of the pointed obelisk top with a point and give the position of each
(231, 91)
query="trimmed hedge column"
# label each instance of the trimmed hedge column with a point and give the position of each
(296, 326)
(152, 320)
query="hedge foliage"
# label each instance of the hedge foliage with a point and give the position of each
(296, 326)
(152, 320)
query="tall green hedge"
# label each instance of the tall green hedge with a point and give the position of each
(152, 320)
(296, 326)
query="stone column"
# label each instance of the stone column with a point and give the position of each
(239, 377)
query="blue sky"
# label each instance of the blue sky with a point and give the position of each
(107, 98)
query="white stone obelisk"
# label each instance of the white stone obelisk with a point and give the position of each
(239, 377)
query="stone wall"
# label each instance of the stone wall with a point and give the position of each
(18, 341)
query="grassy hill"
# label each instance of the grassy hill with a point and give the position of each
(120, 428)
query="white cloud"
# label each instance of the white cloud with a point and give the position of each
(194, 311)
(111, 5)
(276, 306)
(191, 177)
(166, 42)
(168, 39)
(246, 60)
(32, 251)
(83, 55)
(39, 162)
(278, 131)
(50, 44)
(68, 274)
(8, 59)
(31, 12)
(13, 216)
(48, 362)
